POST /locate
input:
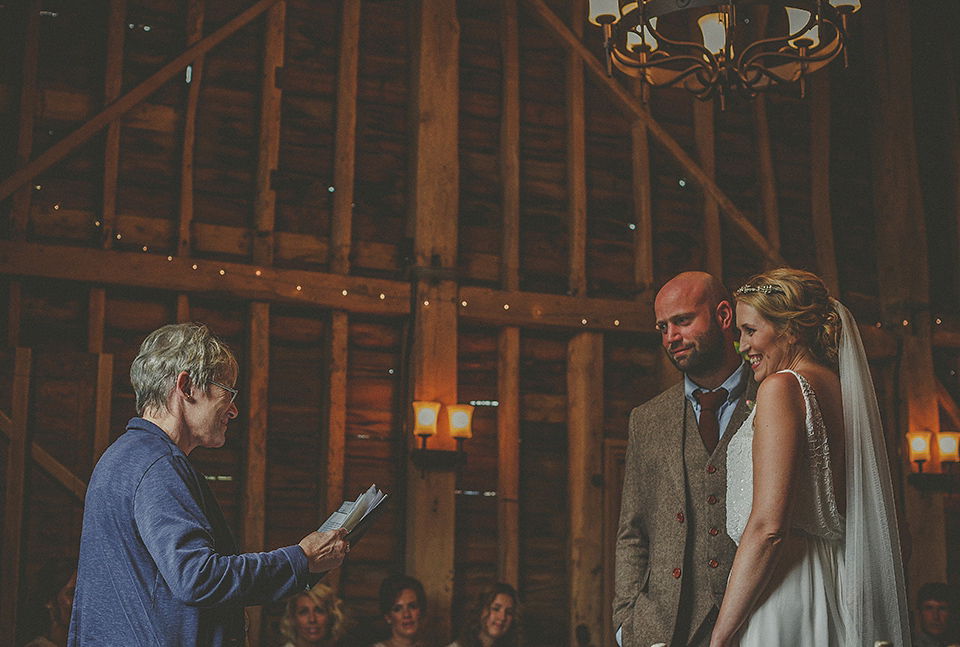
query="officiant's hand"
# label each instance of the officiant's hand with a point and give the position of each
(325, 550)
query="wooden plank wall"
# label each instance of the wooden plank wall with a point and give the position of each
(488, 227)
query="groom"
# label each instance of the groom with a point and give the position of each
(673, 553)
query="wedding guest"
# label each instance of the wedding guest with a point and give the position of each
(45, 618)
(314, 618)
(494, 621)
(403, 605)
(935, 610)
(158, 562)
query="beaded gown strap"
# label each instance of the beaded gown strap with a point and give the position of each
(816, 512)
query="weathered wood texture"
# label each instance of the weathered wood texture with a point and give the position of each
(301, 170)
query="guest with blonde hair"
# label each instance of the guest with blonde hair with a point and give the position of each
(314, 618)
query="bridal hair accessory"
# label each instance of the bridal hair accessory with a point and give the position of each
(766, 289)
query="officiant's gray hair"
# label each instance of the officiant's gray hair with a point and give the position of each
(796, 302)
(167, 351)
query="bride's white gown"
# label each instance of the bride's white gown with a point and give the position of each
(801, 606)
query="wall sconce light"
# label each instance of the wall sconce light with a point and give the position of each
(457, 419)
(922, 445)
(919, 443)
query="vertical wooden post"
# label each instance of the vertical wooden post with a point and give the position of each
(346, 139)
(112, 87)
(269, 145)
(20, 207)
(703, 128)
(433, 221)
(765, 173)
(902, 250)
(255, 484)
(183, 308)
(642, 203)
(508, 347)
(585, 476)
(95, 319)
(819, 85)
(13, 315)
(101, 432)
(195, 15)
(576, 161)
(16, 479)
(336, 427)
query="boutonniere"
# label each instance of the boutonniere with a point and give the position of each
(750, 405)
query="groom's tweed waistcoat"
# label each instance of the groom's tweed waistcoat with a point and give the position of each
(672, 525)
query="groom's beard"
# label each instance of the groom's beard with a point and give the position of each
(705, 356)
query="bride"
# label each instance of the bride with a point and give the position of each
(809, 498)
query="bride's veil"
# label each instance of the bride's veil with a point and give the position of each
(874, 595)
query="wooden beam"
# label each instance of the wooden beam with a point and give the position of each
(13, 315)
(204, 277)
(510, 147)
(255, 483)
(20, 208)
(642, 202)
(112, 87)
(336, 409)
(116, 109)
(820, 180)
(576, 161)
(101, 431)
(433, 208)
(903, 274)
(194, 29)
(585, 476)
(268, 151)
(508, 456)
(96, 315)
(766, 177)
(705, 138)
(183, 308)
(59, 472)
(345, 142)
(497, 307)
(15, 490)
(625, 100)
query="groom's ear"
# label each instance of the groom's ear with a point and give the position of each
(724, 315)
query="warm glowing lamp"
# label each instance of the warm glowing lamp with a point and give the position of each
(799, 18)
(460, 417)
(425, 419)
(948, 442)
(848, 5)
(604, 12)
(713, 26)
(919, 444)
(634, 40)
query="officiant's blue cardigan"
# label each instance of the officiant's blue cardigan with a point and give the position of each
(158, 564)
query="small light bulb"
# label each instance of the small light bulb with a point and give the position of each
(506, 306)
(343, 292)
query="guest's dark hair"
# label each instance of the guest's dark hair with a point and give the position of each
(35, 616)
(470, 633)
(390, 589)
(934, 591)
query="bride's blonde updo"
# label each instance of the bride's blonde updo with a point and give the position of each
(796, 302)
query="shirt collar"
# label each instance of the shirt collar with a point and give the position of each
(735, 385)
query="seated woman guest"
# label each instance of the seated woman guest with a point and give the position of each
(45, 618)
(494, 621)
(313, 618)
(403, 604)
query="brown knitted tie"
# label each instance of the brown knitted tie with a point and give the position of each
(710, 402)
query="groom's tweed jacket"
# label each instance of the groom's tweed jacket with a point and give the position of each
(673, 553)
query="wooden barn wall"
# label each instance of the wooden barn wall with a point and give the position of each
(187, 174)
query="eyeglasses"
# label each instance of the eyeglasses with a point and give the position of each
(233, 392)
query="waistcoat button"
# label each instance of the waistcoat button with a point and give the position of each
(714, 563)
(676, 573)
(714, 531)
(711, 469)
(680, 517)
(711, 499)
